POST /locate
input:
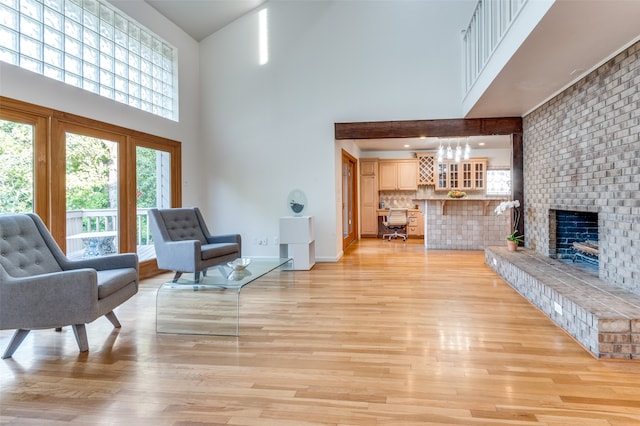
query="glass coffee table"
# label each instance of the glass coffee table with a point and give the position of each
(212, 306)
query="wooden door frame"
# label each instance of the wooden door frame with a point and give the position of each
(352, 236)
(460, 127)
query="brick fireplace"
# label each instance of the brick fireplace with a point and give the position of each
(581, 152)
(581, 156)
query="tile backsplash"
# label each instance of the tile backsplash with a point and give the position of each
(400, 199)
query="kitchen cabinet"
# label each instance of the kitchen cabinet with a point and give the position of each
(479, 174)
(398, 175)
(415, 228)
(368, 197)
(467, 175)
(426, 168)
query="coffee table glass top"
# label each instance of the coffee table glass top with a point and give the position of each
(211, 306)
(224, 276)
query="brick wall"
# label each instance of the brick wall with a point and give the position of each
(582, 152)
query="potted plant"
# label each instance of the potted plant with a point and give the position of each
(454, 193)
(514, 238)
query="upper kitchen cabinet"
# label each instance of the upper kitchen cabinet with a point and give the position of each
(467, 175)
(426, 168)
(398, 175)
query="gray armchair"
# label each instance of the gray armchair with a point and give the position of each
(41, 288)
(183, 242)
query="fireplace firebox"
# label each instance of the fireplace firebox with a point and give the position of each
(574, 236)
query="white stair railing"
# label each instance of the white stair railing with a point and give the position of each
(488, 26)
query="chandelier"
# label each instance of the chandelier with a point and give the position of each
(453, 153)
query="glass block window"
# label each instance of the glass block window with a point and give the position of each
(499, 182)
(91, 45)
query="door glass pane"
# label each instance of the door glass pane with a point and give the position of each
(92, 196)
(16, 167)
(153, 189)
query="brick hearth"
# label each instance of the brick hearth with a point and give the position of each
(602, 317)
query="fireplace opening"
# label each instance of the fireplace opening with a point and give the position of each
(576, 238)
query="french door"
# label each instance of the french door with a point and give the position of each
(92, 183)
(91, 196)
(23, 186)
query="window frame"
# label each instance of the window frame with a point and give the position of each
(50, 127)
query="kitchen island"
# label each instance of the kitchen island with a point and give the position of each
(464, 223)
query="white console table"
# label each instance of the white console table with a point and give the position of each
(297, 241)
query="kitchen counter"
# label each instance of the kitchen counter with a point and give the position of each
(385, 212)
(486, 201)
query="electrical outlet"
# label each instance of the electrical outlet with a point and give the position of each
(557, 307)
(276, 241)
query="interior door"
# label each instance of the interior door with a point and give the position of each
(349, 199)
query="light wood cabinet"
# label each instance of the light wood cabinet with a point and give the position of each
(467, 175)
(398, 175)
(415, 228)
(368, 167)
(369, 197)
(426, 168)
(479, 174)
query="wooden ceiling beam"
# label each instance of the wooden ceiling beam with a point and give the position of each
(429, 128)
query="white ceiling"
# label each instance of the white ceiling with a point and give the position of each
(573, 38)
(201, 18)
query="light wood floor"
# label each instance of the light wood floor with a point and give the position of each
(390, 335)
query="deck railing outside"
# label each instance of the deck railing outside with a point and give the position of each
(489, 23)
(105, 220)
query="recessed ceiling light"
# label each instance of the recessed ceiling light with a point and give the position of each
(481, 143)
(407, 145)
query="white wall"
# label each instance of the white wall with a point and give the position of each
(26, 86)
(269, 129)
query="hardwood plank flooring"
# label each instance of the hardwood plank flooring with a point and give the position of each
(389, 335)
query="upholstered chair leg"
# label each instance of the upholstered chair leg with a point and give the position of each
(81, 337)
(17, 338)
(177, 276)
(111, 316)
(197, 276)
